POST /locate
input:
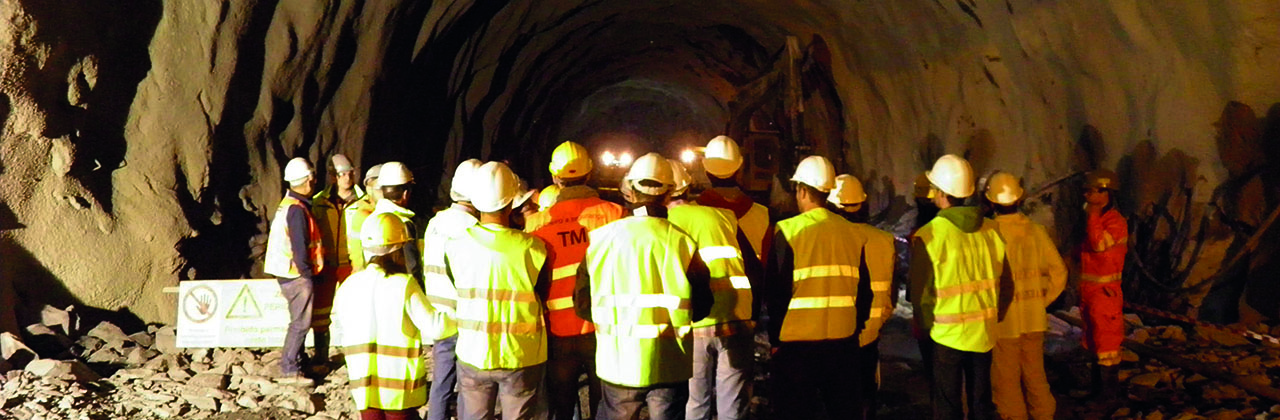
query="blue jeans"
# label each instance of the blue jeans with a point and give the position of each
(517, 391)
(722, 374)
(297, 292)
(444, 376)
(665, 401)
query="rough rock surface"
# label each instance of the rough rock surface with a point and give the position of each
(135, 155)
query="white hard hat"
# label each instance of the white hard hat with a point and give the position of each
(953, 175)
(848, 190)
(494, 187)
(372, 173)
(680, 177)
(1004, 189)
(461, 177)
(817, 172)
(394, 173)
(340, 163)
(296, 170)
(723, 157)
(523, 194)
(650, 167)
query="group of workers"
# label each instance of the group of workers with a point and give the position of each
(655, 301)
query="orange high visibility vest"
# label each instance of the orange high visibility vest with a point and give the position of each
(564, 227)
(279, 258)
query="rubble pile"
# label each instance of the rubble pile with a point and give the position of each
(1158, 391)
(106, 373)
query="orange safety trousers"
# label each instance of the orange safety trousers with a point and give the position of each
(1102, 306)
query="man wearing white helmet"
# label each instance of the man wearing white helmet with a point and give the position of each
(501, 276)
(329, 208)
(295, 255)
(957, 271)
(1039, 275)
(722, 162)
(643, 285)
(875, 300)
(723, 356)
(448, 224)
(355, 215)
(815, 262)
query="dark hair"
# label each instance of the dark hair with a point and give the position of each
(812, 191)
(394, 192)
(389, 264)
(573, 182)
(1004, 209)
(718, 182)
(953, 200)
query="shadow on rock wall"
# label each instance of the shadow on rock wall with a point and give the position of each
(33, 286)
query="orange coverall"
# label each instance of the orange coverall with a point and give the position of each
(1101, 302)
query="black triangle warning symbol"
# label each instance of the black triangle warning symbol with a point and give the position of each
(245, 306)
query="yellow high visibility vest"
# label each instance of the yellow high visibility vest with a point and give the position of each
(279, 257)
(331, 220)
(879, 254)
(499, 317)
(966, 275)
(1039, 275)
(375, 320)
(715, 230)
(448, 224)
(640, 301)
(827, 252)
(755, 224)
(353, 218)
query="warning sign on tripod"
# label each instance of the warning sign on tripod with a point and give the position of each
(231, 313)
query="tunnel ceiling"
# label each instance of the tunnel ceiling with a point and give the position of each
(134, 155)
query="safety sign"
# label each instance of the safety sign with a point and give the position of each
(231, 313)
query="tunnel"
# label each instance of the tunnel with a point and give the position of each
(144, 140)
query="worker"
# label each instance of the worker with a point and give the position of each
(1039, 275)
(724, 341)
(565, 225)
(329, 207)
(722, 161)
(357, 212)
(548, 197)
(922, 192)
(875, 302)
(381, 315)
(681, 190)
(446, 225)
(814, 266)
(295, 256)
(957, 270)
(396, 183)
(501, 278)
(1101, 264)
(643, 285)
(524, 205)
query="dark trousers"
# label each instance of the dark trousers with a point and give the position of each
(958, 374)
(517, 391)
(376, 414)
(444, 377)
(297, 292)
(665, 401)
(567, 359)
(869, 379)
(812, 374)
(722, 374)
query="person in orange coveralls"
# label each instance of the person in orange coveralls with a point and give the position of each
(1101, 264)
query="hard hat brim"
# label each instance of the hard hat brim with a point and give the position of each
(721, 167)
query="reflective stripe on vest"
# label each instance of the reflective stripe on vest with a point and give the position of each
(279, 257)
(448, 224)
(381, 344)
(963, 296)
(354, 218)
(879, 254)
(641, 307)
(827, 251)
(566, 227)
(499, 318)
(715, 230)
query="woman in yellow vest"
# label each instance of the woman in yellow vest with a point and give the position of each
(380, 317)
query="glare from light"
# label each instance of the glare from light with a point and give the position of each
(608, 159)
(624, 159)
(688, 156)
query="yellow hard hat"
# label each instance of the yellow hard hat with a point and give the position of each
(1004, 189)
(547, 198)
(650, 167)
(680, 177)
(382, 234)
(848, 191)
(1102, 178)
(952, 175)
(817, 172)
(922, 187)
(570, 160)
(722, 157)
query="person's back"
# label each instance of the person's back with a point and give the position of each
(377, 317)
(825, 265)
(1039, 274)
(565, 228)
(968, 258)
